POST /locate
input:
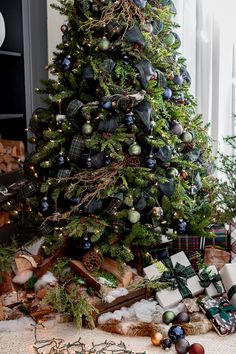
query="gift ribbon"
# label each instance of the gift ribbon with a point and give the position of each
(206, 279)
(222, 310)
(231, 292)
(177, 277)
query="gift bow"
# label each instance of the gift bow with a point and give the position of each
(177, 277)
(222, 310)
(206, 279)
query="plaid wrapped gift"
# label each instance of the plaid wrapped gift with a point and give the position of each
(27, 190)
(189, 244)
(221, 237)
(221, 313)
(178, 272)
(63, 172)
(46, 228)
(76, 148)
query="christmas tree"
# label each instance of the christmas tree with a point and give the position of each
(121, 157)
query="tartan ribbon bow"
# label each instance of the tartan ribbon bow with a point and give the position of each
(206, 279)
(222, 310)
(177, 277)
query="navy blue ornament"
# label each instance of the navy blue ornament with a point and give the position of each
(166, 344)
(176, 332)
(65, 64)
(60, 160)
(167, 93)
(126, 59)
(178, 80)
(74, 201)
(44, 206)
(129, 119)
(151, 162)
(106, 105)
(108, 160)
(140, 3)
(87, 73)
(86, 244)
(182, 227)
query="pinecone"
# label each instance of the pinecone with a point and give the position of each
(92, 261)
(132, 161)
(187, 147)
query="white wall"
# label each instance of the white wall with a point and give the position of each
(55, 20)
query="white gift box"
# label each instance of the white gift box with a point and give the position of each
(211, 290)
(228, 275)
(169, 297)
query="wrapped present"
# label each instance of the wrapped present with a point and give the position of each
(221, 313)
(221, 237)
(179, 274)
(232, 236)
(190, 244)
(210, 280)
(214, 255)
(228, 275)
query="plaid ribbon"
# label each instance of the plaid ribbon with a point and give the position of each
(231, 292)
(206, 279)
(76, 148)
(177, 277)
(222, 310)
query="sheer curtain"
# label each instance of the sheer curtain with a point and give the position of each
(208, 43)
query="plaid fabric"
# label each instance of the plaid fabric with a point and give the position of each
(178, 276)
(192, 257)
(46, 228)
(221, 239)
(63, 172)
(76, 148)
(27, 190)
(188, 243)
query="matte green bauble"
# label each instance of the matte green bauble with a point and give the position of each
(134, 149)
(87, 128)
(186, 137)
(133, 216)
(104, 44)
(168, 317)
(172, 172)
(169, 39)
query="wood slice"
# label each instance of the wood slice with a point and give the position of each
(1, 311)
(123, 275)
(78, 268)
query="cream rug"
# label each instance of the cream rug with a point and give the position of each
(17, 337)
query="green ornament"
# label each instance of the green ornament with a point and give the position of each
(172, 172)
(134, 149)
(168, 317)
(186, 137)
(87, 128)
(169, 39)
(104, 44)
(133, 216)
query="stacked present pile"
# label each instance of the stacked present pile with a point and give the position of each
(204, 269)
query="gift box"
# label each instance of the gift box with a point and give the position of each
(221, 313)
(221, 237)
(228, 275)
(179, 274)
(190, 244)
(210, 280)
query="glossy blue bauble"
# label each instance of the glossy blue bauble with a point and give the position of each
(60, 160)
(129, 119)
(44, 206)
(151, 163)
(176, 332)
(182, 227)
(65, 64)
(167, 93)
(108, 160)
(106, 105)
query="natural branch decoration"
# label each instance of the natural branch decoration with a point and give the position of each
(123, 11)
